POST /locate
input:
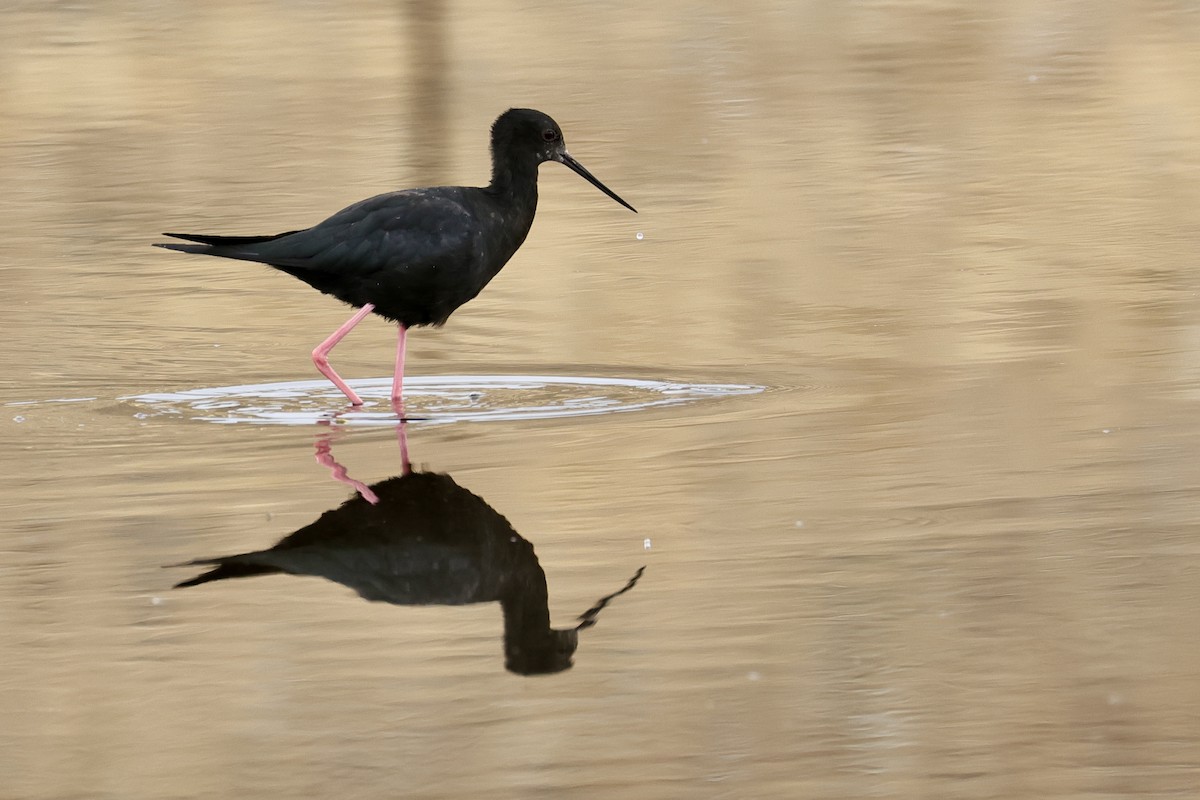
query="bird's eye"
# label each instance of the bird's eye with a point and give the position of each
(549, 134)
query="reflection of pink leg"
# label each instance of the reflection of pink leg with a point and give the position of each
(402, 438)
(398, 375)
(320, 355)
(325, 458)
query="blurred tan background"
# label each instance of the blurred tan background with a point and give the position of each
(951, 552)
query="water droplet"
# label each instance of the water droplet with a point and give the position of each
(753, 675)
(18, 418)
(156, 601)
(646, 544)
(799, 523)
(640, 236)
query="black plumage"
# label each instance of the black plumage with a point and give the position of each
(414, 256)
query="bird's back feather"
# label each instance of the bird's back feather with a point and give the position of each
(415, 255)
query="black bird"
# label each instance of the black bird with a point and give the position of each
(421, 539)
(416, 255)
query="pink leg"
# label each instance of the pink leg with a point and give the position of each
(398, 376)
(320, 355)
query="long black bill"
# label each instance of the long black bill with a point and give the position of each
(566, 158)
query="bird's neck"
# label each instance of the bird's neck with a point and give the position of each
(514, 191)
(515, 183)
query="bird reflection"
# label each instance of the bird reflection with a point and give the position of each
(421, 539)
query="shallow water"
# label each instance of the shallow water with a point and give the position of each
(441, 400)
(949, 549)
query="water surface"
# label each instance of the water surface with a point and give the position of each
(950, 550)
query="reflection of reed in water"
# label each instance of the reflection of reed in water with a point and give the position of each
(426, 541)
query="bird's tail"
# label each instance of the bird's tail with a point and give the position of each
(214, 245)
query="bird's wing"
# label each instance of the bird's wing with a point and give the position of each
(400, 230)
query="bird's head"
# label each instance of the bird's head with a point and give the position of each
(523, 133)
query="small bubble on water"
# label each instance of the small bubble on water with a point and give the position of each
(640, 236)
(646, 543)
(141, 415)
(1033, 78)
(753, 675)
(1106, 430)
(156, 601)
(799, 523)
(18, 418)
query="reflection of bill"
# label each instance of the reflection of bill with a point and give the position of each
(425, 540)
